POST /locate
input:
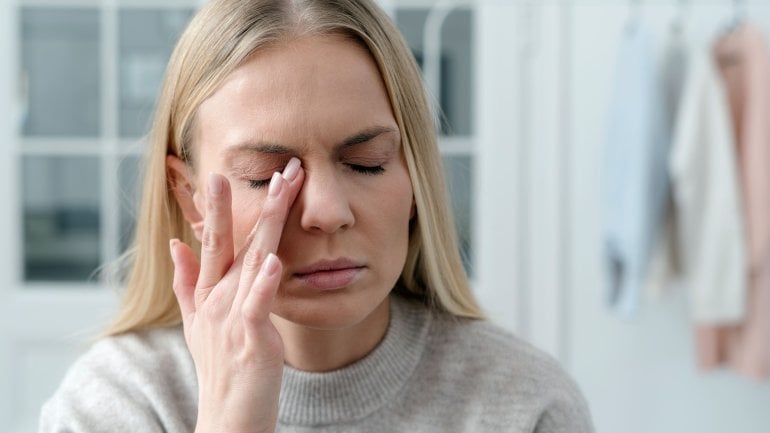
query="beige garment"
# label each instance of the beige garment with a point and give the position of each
(745, 65)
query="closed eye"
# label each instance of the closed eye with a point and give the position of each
(259, 183)
(365, 169)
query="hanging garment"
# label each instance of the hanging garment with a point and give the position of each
(706, 198)
(634, 168)
(744, 62)
(664, 264)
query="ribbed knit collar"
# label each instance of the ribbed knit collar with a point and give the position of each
(355, 391)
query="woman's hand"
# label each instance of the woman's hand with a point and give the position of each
(225, 303)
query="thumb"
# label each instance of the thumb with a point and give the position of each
(186, 269)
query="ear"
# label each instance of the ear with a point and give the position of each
(184, 190)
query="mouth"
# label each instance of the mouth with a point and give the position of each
(330, 274)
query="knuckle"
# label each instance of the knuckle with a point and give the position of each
(216, 205)
(249, 313)
(272, 214)
(210, 240)
(253, 257)
(176, 286)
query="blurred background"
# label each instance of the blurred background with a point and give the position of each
(525, 90)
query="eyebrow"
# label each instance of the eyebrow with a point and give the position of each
(361, 137)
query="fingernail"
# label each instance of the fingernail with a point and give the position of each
(215, 184)
(270, 266)
(291, 170)
(275, 185)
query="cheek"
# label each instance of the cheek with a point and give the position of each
(403, 196)
(392, 222)
(393, 212)
(245, 215)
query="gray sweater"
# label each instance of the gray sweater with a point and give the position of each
(431, 373)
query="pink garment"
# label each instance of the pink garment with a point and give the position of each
(744, 62)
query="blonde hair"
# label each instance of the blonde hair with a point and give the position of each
(217, 40)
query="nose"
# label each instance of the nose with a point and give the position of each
(324, 204)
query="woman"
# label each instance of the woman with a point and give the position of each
(293, 152)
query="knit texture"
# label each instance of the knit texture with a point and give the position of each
(431, 373)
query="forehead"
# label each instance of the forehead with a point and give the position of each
(303, 92)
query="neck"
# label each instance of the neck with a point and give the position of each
(319, 350)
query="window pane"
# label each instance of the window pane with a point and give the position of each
(459, 172)
(147, 38)
(61, 217)
(455, 96)
(60, 61)
(129, 188)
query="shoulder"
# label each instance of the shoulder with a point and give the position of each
(132, 380)
(134, 359)
(495, 351)
(511, 377)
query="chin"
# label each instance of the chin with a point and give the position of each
(328, 311)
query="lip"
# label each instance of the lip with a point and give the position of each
(330, 274)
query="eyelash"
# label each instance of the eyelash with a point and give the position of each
(259, 183)
(362, 169)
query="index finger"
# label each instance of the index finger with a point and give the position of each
(266, 235)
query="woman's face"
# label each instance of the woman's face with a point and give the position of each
(322, 100)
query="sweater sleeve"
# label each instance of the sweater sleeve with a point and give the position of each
(124, 384)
